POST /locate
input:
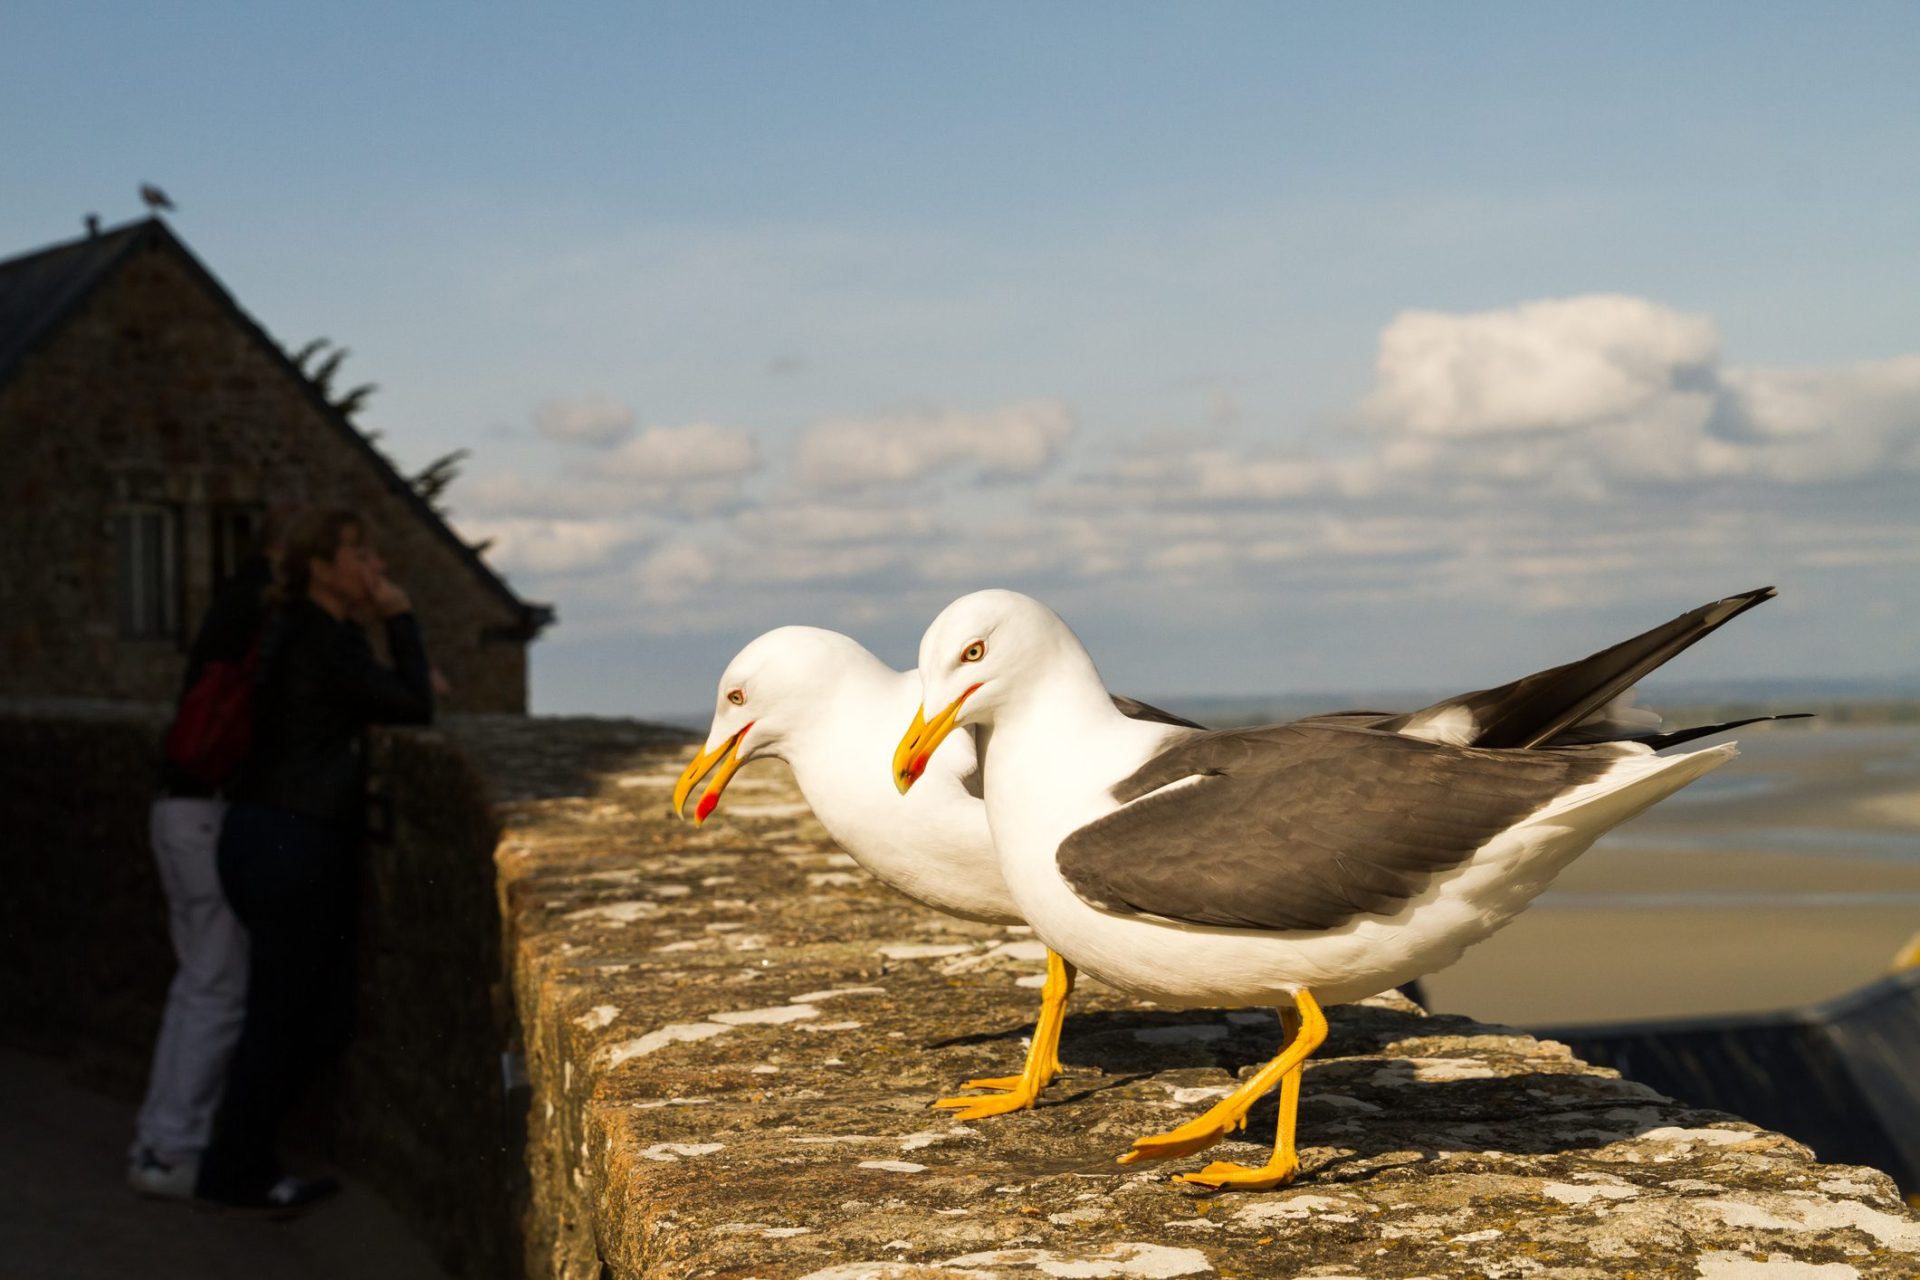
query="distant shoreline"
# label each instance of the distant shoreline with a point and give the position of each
(1688, 703)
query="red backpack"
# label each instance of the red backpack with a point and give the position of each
(214, 725)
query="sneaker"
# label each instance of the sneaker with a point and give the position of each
(149, 1175)
(295, 1192)
(283, 1199)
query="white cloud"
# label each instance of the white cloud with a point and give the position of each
(820, 523)
(1557, 364)
(1581, 397)
(675, 572)
(507, 495)
(590, 420)
(537, 546)
(1813, 424)
(1014, 440)
(668, 455)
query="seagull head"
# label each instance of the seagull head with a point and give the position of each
(978, 656)
(771, 691)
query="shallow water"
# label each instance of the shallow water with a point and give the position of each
(1805, 792)
(1727, 898)
(1897, 846)
(1791, 874)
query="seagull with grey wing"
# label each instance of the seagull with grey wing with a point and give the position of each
(823, 703)
(1294, 865)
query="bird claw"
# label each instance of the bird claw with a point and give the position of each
(1017, 1093)
(1184, 1141)
(1241, 1178)
(996, 1105)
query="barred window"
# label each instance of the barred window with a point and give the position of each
(146, 548)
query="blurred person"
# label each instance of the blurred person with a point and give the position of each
(206, 999)
(289, 852)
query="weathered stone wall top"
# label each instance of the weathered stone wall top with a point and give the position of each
(734, 1034)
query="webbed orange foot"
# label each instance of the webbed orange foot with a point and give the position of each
(1019, 1095)
(1020, 1092)
(1194, 1135)
(1238, 1177)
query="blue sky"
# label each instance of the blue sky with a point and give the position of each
(1281, 347)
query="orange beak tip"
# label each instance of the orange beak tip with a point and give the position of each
(705, 808)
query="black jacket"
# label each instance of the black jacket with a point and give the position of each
(233, 621)
(319, 688)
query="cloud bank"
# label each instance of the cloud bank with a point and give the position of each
(1015, 440)
(589, 420)
(1561, 454)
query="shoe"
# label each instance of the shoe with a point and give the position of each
(284, 1198)
(149, 1175)
(295, 1192)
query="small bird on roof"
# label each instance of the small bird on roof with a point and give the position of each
(1295, 865)
(824, 704)
(155, 198)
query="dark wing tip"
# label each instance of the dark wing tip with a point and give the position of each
(1733, 606)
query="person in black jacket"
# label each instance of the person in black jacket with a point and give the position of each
(206, 1000)
(289, 852)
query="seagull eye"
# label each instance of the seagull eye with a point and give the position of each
(974, 652)
(737, 698)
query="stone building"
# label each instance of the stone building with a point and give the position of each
(146, 422)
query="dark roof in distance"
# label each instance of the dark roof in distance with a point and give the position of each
(39, 290)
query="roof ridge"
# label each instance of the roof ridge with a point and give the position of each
(52, 309)
(78, 242)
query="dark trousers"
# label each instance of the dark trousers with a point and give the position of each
(293, 882)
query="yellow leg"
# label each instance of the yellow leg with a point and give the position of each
(1043, 1056)
(1305, 1030)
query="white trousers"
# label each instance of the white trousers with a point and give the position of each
(206, 1004)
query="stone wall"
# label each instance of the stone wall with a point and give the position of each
(733, 1036)
(418, 1106)
(151, 392)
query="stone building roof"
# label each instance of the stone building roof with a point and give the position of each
(40, 290)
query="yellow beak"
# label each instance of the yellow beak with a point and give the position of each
(921, 740)
(903, 754)
(727, 755)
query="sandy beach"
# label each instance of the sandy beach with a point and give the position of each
(1789, 876)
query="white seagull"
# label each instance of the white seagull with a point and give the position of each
(821, 702)
(1294, 865)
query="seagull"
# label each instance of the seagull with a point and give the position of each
(824, 704)
(155, 198)
(1295, 865)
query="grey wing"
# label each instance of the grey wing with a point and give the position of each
(1134, 709)
(1305, 825)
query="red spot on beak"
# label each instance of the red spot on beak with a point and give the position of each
(708, 802)
(918, 767)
